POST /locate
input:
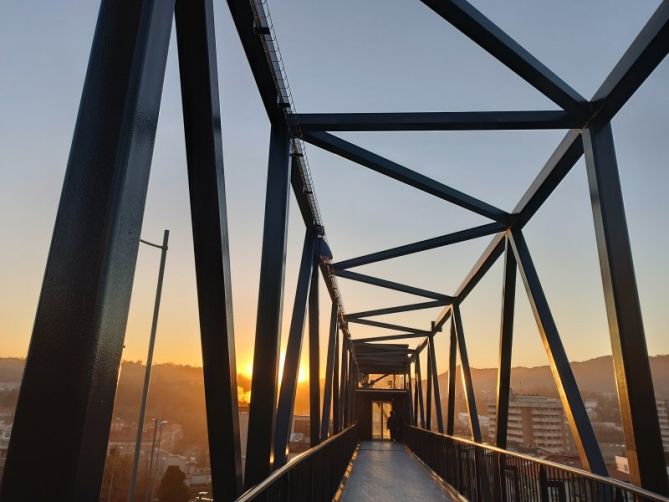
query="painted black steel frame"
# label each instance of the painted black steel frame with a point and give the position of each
(88, 280)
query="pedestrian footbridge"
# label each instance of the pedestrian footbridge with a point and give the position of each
(79, 330)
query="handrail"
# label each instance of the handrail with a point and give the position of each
(258, 489)
(554, 465)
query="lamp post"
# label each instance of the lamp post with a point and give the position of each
(149, 491)
(149, 362)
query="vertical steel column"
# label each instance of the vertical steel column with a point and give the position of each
(505, 346)
(414, 416)
(77, 339)
(291, 364)
(584, 436)
(329, 370)
(428, 410)
(204, 152)
(314, 355)
(431, 352)
(343, 389)
(347, 391)
(467, 376)
(352, 384)
(270, 305)
(452, 368)
(410, 389)
(336, 422)
(419, 391)
(638, 408)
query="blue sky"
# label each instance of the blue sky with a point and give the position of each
(377, 55)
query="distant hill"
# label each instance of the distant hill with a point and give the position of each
(177, 392)
(11, 369)
(593, 376)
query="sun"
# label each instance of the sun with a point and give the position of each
(302, 375)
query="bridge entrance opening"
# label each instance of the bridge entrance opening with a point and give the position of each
(380, 413)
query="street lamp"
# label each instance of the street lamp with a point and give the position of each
(149, 363)
(149, 490)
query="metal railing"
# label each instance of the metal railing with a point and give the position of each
(486, 473)
(315, 475)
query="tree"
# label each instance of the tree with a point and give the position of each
(172, 487)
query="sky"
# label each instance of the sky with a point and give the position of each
(346, 56)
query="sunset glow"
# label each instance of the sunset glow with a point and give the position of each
(302, 376)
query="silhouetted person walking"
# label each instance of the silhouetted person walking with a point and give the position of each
(393, 426)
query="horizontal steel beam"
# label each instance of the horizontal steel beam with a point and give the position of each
(490, 37)
(385, 325)
(393, 359)
(397, 172)
(354, 276)
(395, 310)
(393, 370)
(439, 121)
(424, 245)
(376, 347)
(381, 360)
(400, 336)
(642, 57)
(388, 349)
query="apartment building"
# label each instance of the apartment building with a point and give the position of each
(534, 422)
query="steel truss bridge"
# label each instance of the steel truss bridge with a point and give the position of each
(78, 335)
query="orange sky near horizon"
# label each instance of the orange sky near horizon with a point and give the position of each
(363, 211)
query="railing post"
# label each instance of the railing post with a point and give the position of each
(505, 346)
(77, 338)
(501, 478)
(291, 364)
(202, 126)
(270, 305)
(638, 408)
(543, 484)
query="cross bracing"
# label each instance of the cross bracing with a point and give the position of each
(88, 279)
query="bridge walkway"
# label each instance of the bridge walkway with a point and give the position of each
(387, 472)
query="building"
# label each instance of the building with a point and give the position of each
(662, 406)
(535, 422)
(5, 433)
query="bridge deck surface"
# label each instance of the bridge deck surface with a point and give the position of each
(384, 471)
